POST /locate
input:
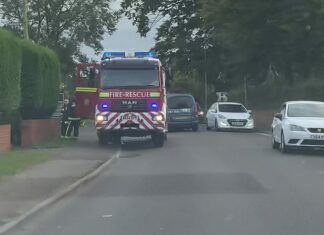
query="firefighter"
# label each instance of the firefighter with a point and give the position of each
(74, 121)
(64, 120)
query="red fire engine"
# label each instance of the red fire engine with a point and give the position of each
(129, 96)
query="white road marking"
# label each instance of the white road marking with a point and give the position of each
(264, 134)
(106, 216)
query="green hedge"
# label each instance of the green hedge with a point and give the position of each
(51, 75)
(40, 81)
(10, 70)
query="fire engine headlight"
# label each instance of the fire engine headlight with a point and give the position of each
(159, 118)
(101, 118)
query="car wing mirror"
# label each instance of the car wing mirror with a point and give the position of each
(278, 115)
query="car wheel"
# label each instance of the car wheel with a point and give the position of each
(275, 144)
(283, 146)
(216, 126)
(195, 127)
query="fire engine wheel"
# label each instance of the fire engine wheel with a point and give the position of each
(116, 139)
(158, 139)
(102, 139)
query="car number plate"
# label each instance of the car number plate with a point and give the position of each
(130, 117)
(181, 118)
(237, 123)
(317, 137)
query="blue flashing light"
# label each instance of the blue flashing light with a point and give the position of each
(142, 54)
(110, 54)
(104, 106)
(154, 105)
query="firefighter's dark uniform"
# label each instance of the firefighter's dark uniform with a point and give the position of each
(64, 121)
(74, 121)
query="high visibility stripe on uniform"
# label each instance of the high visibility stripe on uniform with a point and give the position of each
(85, 89)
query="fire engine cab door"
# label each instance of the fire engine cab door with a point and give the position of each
(86, 92)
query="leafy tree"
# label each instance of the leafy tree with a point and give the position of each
(281, 34)
(63, 25)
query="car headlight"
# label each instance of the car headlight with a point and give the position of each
(221, 116)
(158, 118)
(250, 117)
(296, 128)
(101, 118)
(201, 113)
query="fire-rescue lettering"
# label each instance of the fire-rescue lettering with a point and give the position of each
(130, 94)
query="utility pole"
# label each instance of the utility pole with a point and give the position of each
(206, 89)
(25, 19)
(245, 91)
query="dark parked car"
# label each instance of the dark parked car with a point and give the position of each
(182, 112)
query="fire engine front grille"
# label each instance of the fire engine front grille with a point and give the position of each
(129, 106)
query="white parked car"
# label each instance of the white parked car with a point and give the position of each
(226, 115)
(299, 124)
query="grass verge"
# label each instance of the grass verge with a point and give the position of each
(55, 143)
(16, 161)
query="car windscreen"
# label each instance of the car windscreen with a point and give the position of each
(180, 102)
(232, 108)
(129, 78)
(306, 110)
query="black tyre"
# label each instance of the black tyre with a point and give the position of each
(283, 146)
(275, 145)
(195, 127)
(158, 139)
(116, 139)
(216, 126)
(102, 139)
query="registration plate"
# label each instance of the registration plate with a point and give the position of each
(181, 118)
(317, 137)
(130, 117)
(237, 123)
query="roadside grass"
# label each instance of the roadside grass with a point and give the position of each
(17, 161)
(55, 143)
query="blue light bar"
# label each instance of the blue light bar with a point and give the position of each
(154, 105)
(143, 54)
(104, 106)
(113, 54)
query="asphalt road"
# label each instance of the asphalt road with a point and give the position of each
(203, 183)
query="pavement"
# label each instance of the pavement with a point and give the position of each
(22, 192)
(202, 183)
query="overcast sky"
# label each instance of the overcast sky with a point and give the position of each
(125, 38)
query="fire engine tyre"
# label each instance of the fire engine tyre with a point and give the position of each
(116, 140)
(158, 139)
(102, 139)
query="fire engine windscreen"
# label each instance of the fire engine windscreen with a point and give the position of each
(129, 78)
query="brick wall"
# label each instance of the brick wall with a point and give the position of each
(263, 119)
(5, 138)
(36, 131)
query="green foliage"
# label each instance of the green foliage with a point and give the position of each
(63, 25)
(40, 81)
(10, 70)
(51, 75)
(32, 81)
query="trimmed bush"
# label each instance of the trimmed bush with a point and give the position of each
(31, 80)
(10, 71)
(51, 75)
(40, 81)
